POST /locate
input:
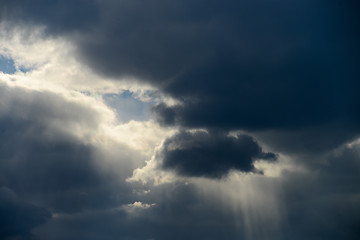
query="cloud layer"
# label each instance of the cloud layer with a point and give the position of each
(211, 154)
(179, 119)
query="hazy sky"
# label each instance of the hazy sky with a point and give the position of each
(182, 119)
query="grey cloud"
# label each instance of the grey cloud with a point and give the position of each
(45, 164)
(256, 65)
(38, 155)
(249, 65)
(211, 154)
(61, 16)
(315, 140)
(285, 71)
(324, 204)
(17, 217)
(320, 204)
(179, 215)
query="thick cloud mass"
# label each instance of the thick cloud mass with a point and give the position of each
(254, 65)
(285, 73)
(325, 205)
(63, 16)
(45, 167)
(18, 217)
(234, 64)
(211, 154)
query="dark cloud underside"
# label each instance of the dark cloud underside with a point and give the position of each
(17, 217)
(325, 205)
(213, 155)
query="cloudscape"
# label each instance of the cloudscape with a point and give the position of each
(182, 119)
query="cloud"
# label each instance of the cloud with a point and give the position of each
(315, 140)
(65, 188)
(18, 217)
(258, 66)
(161, 221)
(221, 60)
(325, 200)
(59, 14)
(280, 76)
(53, 158)
(206, 154)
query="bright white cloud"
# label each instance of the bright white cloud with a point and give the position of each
(53, 61)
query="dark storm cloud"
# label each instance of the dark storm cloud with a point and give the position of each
(325, 204)
(316, 206)
(308, 141)
(286, 71)
(254, 65)
(17, 217)
(224, 59)
(234, 64)
(320, 205)
(61, 15)
(210, 154)
(46, 170)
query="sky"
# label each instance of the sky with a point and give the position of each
(182, 119)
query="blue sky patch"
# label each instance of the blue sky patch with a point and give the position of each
(7, 65)
(127, 107)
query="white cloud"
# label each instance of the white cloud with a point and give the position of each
(52, 62)
(54, 67)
